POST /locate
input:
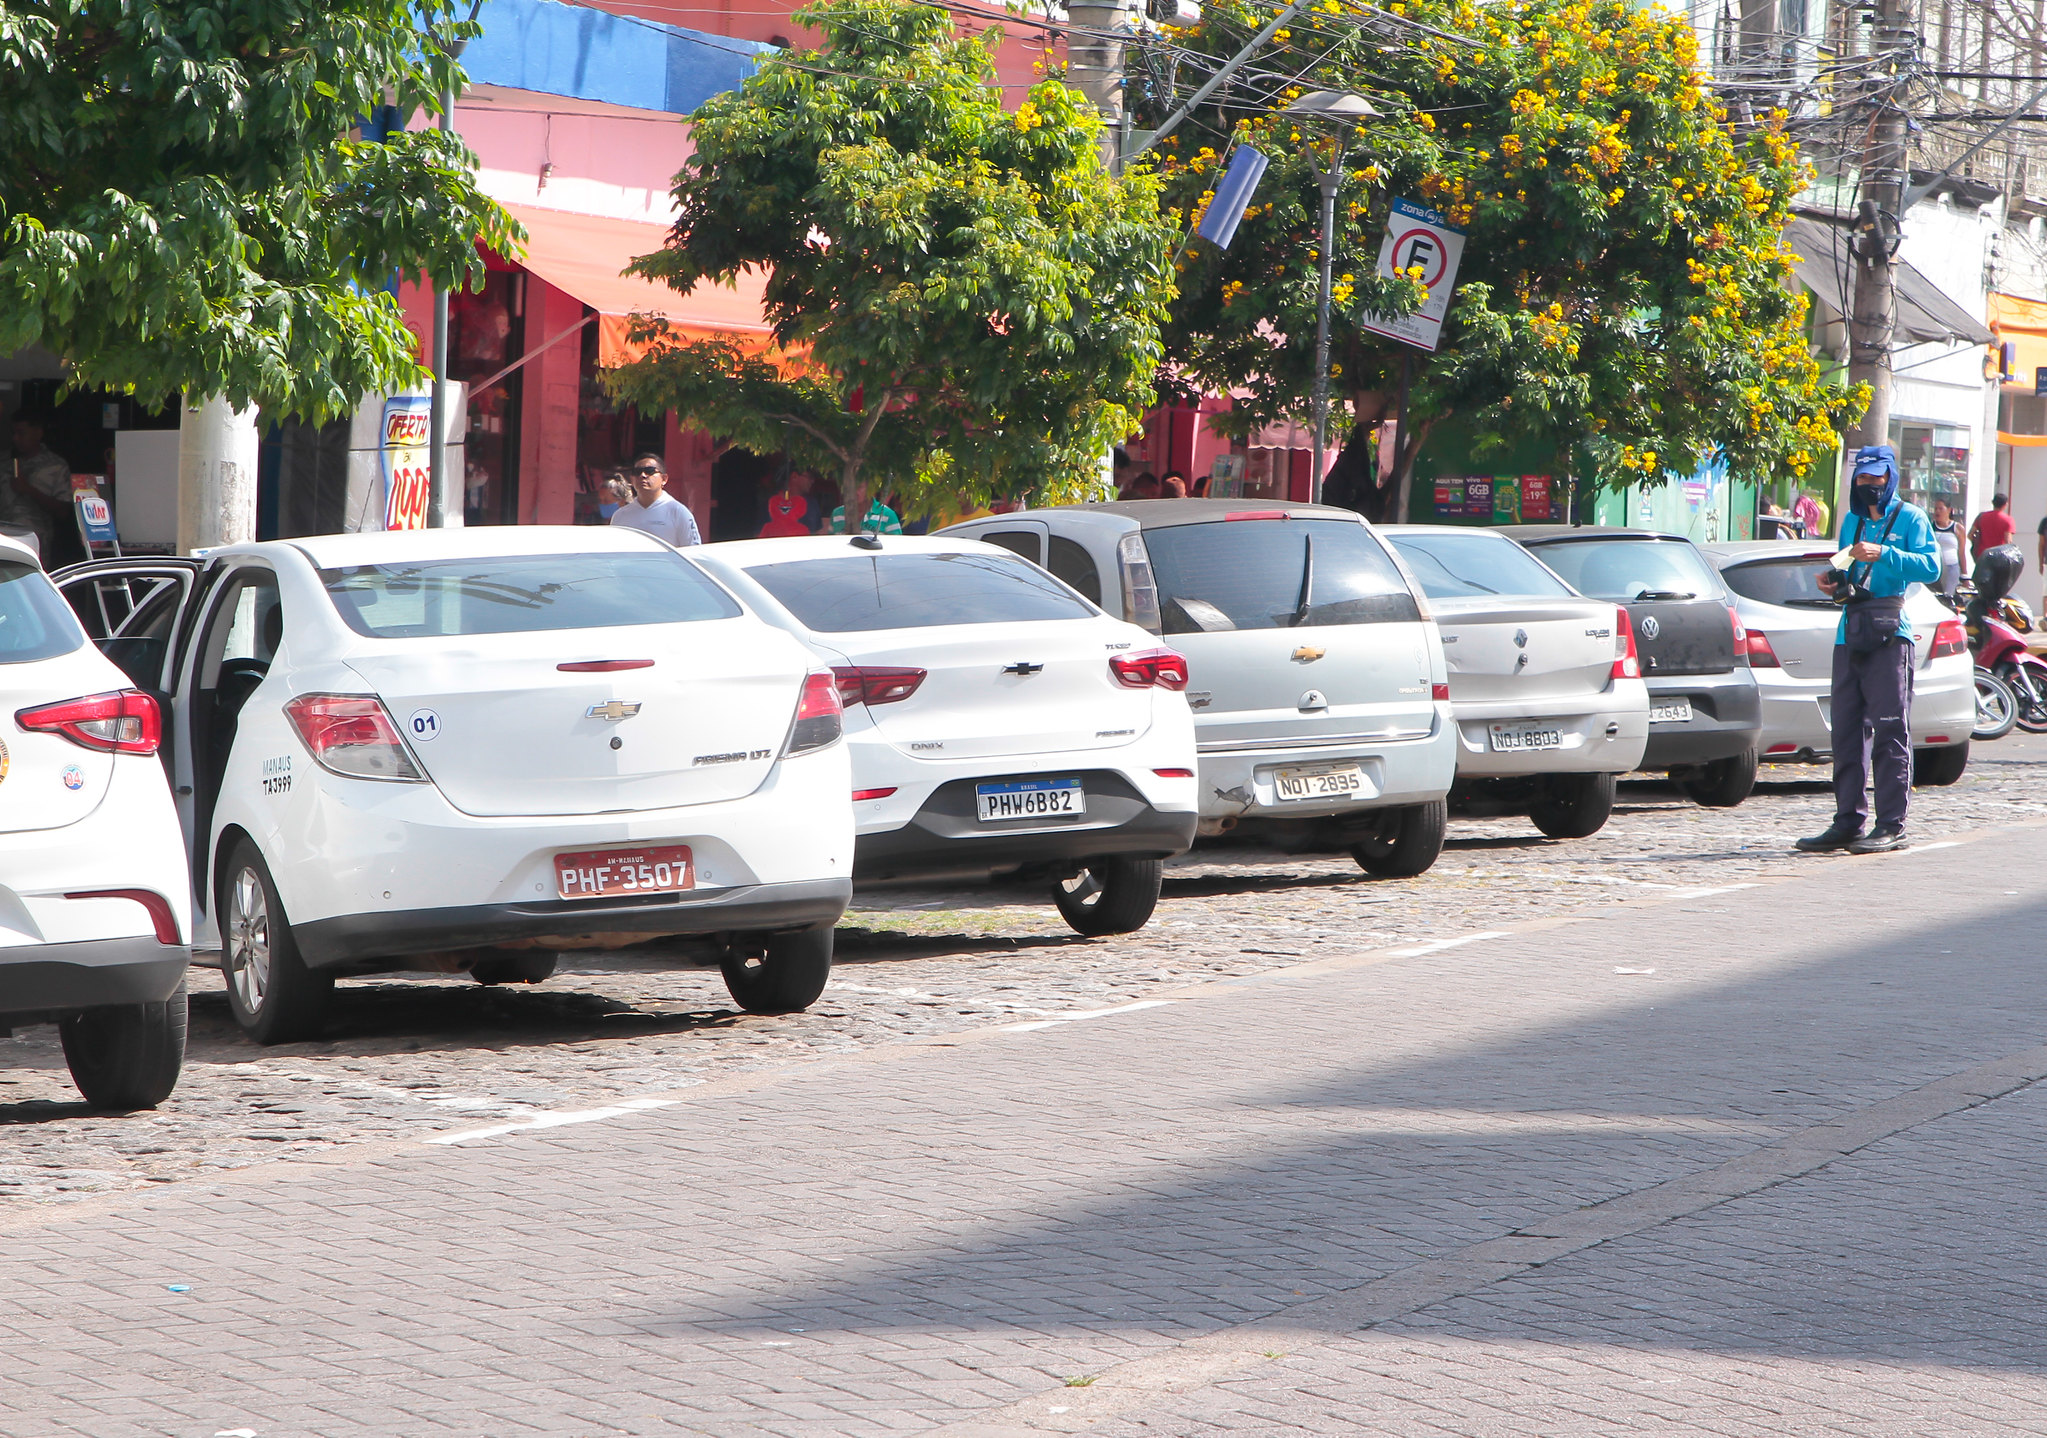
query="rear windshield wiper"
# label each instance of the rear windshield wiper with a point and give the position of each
(1814, 603)
(1656, 594)
(1307, 580)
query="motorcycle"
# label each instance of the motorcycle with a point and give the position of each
(1995, 621)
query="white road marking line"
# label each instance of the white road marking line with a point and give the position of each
(1708, 893)
(1087, 1014)
(1417, 950)
(556, 1120)
(1929, 848)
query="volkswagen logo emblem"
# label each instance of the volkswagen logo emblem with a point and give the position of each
(1650, 628)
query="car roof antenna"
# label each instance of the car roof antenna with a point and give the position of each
(866, 539)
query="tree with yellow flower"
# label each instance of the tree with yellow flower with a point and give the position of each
(959, 295)
(1622, 295)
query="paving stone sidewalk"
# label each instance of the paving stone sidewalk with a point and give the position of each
(940, 1236)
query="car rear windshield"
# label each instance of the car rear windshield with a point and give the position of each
(522, 594)
(857, 592)
(1788, 581)
(35, 622)
(1274, 574)
(1475, 566)
(1630, 569)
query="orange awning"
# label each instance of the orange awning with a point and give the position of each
(584, 256)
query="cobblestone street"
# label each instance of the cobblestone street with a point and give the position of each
(414, 1054)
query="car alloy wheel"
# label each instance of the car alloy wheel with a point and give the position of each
(248, 940)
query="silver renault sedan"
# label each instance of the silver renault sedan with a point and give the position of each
(1545, 684)
(1791, 626)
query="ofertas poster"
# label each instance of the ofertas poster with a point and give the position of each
(408, 473)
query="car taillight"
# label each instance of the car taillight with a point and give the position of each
(860, 794)
(352, 735)
(160, 916)
(1148, 667)
(1948, 638)
(819, 714)
(603, 666)
(1439, 693)
(1174, 773)
(1756, 645)
(1140, 588)
(871, 684)
(1627, 660)
(121, 721)
(1256, 514)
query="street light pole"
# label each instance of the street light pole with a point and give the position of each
(1327, 178)
(1339, 108)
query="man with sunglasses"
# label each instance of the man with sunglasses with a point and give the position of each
(653, 509)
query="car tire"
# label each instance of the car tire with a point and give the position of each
(274, 997)
(518, 967)
(1110, 895)
(778, 973)
(1997, 708)
(127, 1056)
(1577, 806)
(1724, 783)
(1408, 842)
(1942, 766)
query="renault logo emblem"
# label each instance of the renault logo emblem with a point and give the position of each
(1650, 628)
(613, 709)
(1521, 639)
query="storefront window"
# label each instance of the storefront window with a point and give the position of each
(1934, 459)
(486, 332)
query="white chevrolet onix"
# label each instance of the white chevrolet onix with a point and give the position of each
(998, 721)
(470, 747)
(94, 925)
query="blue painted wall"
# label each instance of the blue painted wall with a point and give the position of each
(589, 54)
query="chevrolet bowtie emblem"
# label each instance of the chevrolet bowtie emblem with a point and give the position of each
(613, 709)
(1307, 654)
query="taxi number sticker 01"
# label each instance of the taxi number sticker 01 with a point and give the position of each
(277, 775)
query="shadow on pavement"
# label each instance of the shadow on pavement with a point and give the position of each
(1324, 1155)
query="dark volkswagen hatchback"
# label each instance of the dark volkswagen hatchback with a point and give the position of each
(1705, 712)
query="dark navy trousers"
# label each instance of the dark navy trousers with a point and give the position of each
(1872, 702)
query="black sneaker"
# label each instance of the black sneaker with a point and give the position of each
(1838, 836)
(1880, 840)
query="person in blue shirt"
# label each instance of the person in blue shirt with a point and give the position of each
(1892, 547)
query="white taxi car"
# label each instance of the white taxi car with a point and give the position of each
(1546, 684)
(95, 927)
(1321, 705)
(998, 721)
(470, 747)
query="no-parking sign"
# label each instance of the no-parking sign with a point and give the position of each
(1419, 237)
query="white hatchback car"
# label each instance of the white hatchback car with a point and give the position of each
(468, 748)
(94, 922)
(1791, 627)
(1321, 704)
(998, 721)
(1546, 684)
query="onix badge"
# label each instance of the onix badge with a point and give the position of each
(613, 709)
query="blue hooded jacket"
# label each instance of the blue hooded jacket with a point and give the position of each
(1910, 554)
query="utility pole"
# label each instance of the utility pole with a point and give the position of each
(1095, 52)
(1879, 220)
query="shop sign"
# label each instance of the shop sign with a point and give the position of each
(1478, 499)
(1507, 501)
(408, 471)
(1535, 499)
(1449, 497)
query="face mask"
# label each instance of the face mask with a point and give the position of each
(1868, 497)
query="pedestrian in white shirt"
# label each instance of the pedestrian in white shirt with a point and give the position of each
(653, 509)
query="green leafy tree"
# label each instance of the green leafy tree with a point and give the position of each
(1622, 295)
(184, 206)
(956, 292)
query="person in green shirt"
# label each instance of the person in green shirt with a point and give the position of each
(880, 520)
